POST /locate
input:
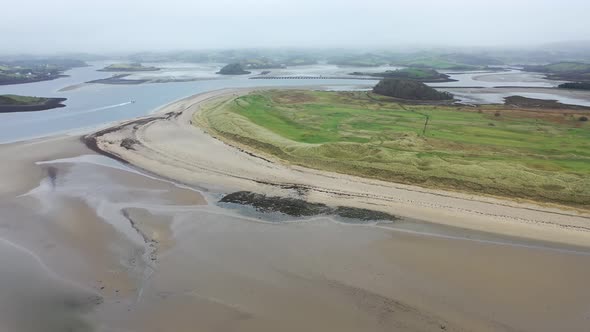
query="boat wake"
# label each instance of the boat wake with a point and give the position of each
(99, 109)
(107, 107)
(68, 114)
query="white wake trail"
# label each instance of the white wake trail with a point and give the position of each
(70, 114)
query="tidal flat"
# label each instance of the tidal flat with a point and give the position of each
(144, 253)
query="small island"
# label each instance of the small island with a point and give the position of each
(409, 90)
(128, 67)
(453, 61)
(233, 69)
(575, 86)
(16, 103)
(425, 75)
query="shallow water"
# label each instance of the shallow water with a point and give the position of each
(497, 95)
(100, 104)
(96, 177)
(35, 298)
(494, 79)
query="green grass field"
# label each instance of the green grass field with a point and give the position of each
(543, 156)
(21, 100)
(419, 72)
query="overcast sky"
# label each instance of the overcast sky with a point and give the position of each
(133, 25)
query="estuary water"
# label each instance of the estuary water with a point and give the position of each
(93, 105)
(99, 104)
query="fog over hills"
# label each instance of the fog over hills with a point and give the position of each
(128, 26)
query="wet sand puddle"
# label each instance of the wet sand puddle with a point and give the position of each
(164, 257)
(34, 298)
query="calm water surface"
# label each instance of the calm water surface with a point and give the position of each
(100, 104)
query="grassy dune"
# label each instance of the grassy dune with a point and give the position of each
(538, 155)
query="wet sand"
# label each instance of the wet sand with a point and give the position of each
(66, 216)
(33, 298)
(110, 248)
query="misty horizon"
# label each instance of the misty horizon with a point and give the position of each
(119, 27)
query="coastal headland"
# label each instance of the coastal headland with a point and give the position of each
(177, 143)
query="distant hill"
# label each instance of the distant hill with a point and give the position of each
(259, 63)
(581, 45)
(60, 63)
(560, 67)
(411, 90)
(449, 61)
(415, 74)
(563, 71)
(128, 67)
(267, 63)
(359, 60)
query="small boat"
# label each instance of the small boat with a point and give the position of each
(133, 101)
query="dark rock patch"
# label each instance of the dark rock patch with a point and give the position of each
(300, 208)
(128, 143)
(363, 214)
(291, 206)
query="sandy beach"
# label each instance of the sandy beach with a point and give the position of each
(142, 245)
